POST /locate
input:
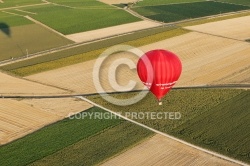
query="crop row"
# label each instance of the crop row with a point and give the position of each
(216, 119)
(87, 52)
(163, 2)
(14, 3)
(240, 2)
(178, 12)
(92, 135)
(69, 20)
(98, 148)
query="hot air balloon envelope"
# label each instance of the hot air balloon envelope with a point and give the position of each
(159, 70)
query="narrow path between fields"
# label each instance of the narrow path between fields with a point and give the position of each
(17, 7)
(13, 13)
(25, 11)
(166, 135)
(141, 17)
(45, 26)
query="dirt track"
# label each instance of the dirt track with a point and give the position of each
(111, 31)
(206, 60)
(236, 28)
(160, 150)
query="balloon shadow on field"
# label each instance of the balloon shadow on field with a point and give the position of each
(5, 29)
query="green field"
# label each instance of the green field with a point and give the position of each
(21, 36)
(12, 20)
(87, 52)
(98, 148)
(217, 119)
(28, 39)
(73, 20)
(15, 3)
(240, 2)
(178, 12)
(70, 134)
(203, 21)
(81, 3)
(163, 2)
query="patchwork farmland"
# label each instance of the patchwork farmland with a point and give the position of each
(78, 20)
(51, 113)
(16, 28)
(208, 122)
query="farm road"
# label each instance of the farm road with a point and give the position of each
(226, 86)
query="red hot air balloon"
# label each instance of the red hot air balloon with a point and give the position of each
(159, 70)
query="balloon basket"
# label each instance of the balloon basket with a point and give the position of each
(160, 103)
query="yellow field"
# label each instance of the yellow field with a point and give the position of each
(236, 28)
(16, 86)
(111, 31)
(206, 60)
(19, 118)
(59, 106)
(160, 150)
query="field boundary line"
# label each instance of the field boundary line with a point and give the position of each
(167, 4)
(141, 17)
(12, 13)
(73, 45)
(230, 3)
(166, 135)
(73, 94)
(16, 7)
(25, 11)
(45, 26)
(210, 34)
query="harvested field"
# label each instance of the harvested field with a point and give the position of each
(82, 79)
(16, 86)
(236, 28)
(58, 136)
(111, 31)
(206, 60)
(18, 119)
(59, 106)
(160, 150)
